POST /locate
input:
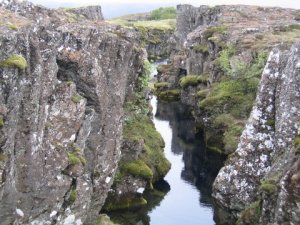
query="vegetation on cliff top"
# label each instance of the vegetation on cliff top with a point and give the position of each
(163, 13)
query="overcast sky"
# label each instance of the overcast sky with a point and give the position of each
(112, 8)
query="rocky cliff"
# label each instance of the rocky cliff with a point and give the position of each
(64, 81)
(264, 169)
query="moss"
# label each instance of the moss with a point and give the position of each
(69, 82)
(192, 80)
(161, 84)
(12, 26)
(231, 137)
(271, 123)
(212, 30)
(73, 159)
(15, 61)
(163, 13)
(200, 48)
(104, 220)
(137, 168)
(1, 122)
(251, 214)
(202, 93)
(141, 128)
(72, 196)
(76, 98)
(169, 95)
(124, 202)
(3, 157)
(297, 144)
(269, 187)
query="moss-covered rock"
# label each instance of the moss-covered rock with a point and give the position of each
(268, 186)
(251, 214)
(15, 61)
(137, 168)
(104, 220)
(169, 95)
(123, 202)
(192, 80)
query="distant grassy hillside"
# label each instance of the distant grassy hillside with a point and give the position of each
(163, 13)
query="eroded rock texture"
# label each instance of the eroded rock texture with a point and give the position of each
(62, 115)
(265, 166)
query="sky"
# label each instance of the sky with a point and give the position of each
(113, 8)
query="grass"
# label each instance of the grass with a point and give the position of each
(137, 168)
(202, 93)
(163, 25)
(15, 61)
(192, 80)
(76, 99)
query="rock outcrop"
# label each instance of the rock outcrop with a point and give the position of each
(90, 12)
(63, 86)
(265, 167)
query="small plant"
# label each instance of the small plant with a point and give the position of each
(12, 26)
(192, 80)
(15, 61)
(76, 98)
(200, 48)
(75, 158)
(73, 196)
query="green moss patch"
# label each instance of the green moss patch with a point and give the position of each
(141, 128)
(3, 157)
(75, 158)
(123, 202)
(161, 84)
(268, 187)
(137, 168)
(192, 80)
(76, 99)
(104, 220)
(15, 61)
(200, 48)
(169, 95)
(72, 196)
(1, 122)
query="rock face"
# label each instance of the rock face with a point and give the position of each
(90, 12)
(265, 166)
(61, 116)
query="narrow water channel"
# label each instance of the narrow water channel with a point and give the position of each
(188, 185)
